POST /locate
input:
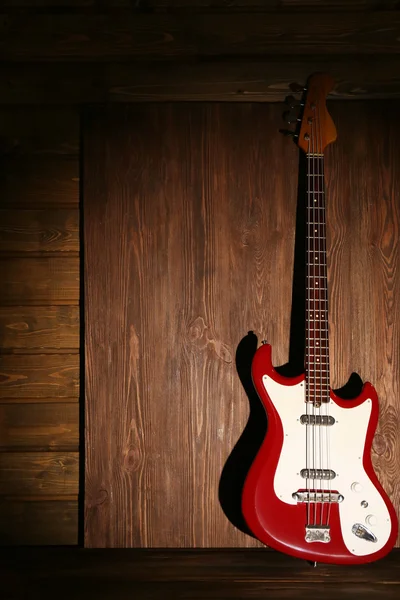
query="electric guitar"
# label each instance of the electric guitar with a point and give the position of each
(311, 491)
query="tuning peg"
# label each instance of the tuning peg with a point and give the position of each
(288, 133)
(289, 118)
(291, 101)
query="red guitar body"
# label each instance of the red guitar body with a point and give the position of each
(275, 517)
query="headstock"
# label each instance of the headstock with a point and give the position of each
(315, 128)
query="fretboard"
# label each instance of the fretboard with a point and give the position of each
(317, 342)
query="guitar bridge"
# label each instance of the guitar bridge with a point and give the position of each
(318, 533)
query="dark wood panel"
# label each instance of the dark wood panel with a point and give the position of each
(39, 376)
(39, 182)
(39, 130)
(195, 170)
(228, 81)
(38, 473)
(41, 427)
(39, 230)
(215, 575)
(45, 522)
(39, 280)
(36, 328)
(121, 34)
(209, 5)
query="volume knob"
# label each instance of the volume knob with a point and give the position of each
(356, 487)
(371, 520)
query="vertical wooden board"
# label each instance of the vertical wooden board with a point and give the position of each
(33, 328)
(187, 252)
(364, 218)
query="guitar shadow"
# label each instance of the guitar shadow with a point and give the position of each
(235, 470)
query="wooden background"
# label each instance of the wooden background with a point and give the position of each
(39, 325)
(59, 56)
(189, 237)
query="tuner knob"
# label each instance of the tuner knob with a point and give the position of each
(293, 102)
(356, 487)
(287, 132)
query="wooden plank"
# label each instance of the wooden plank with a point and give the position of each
(38, 473)
(39, 130)
(216, 202)
(40, 427)
(39, 281)
(237, 226)
(39, 327)
(47, 522)
(195, 574)
(209, 5)
(364, 251)
(35, 376)
(268, 80)
(39, 182)
(39, 230)
(123, 35)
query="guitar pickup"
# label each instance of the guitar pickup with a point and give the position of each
(326, 420)
(318, 474)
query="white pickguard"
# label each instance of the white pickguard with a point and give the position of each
(346, 440)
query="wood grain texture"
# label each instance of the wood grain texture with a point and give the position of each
(38, 473)
(39, 376)
(39, 230)
(186, 279)
(197, 574)
(123, 35)
(40, 427)
(39, 182)
(36, 328)
(266, 80)
(39, 131)
(223, 5)
(44, 522)
(199, 209)
(39, 281)
(365, 256)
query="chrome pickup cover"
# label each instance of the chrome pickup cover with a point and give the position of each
(318, 474)
(317, 420)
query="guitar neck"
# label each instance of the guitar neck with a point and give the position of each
(317, 342)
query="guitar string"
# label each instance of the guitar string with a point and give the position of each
(322, 308)
(308, 403)
(311, 258)
(326, 335)
(324, 342)
(318, 269)
(311, 334)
